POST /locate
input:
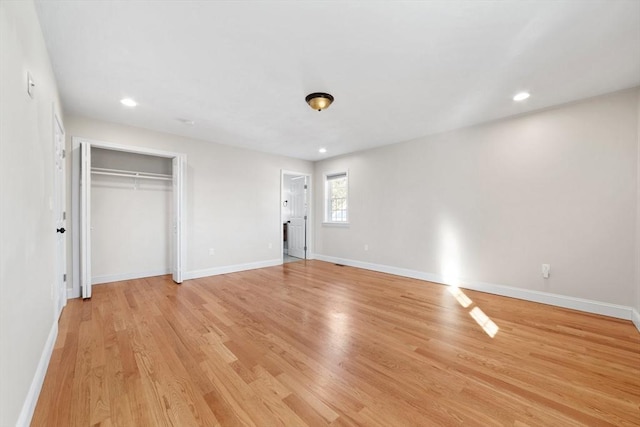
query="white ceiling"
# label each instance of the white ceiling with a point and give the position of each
(398, 69)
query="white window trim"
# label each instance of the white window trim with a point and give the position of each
(326, 222)
(336, 224)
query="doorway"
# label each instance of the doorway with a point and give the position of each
(295, 216)
(82, 220)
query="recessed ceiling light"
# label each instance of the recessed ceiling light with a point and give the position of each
(521, 96)
(128, 102)
(322, 150)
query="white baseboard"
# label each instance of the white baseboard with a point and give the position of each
(590, 306)
(196, 274)
(29, 405)
(635, 318)
(128, 276)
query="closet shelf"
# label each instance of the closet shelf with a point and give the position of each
(131, 174)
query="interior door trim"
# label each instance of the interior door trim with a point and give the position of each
(308, 223)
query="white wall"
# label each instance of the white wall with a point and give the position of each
(130, 217)
(125, 161)
(233, 194)
(491, 203)
(27, 324)
(131, 228)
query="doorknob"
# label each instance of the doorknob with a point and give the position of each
(61, 230)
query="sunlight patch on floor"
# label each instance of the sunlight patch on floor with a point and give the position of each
(462, 298)
(484, 321)
(476, 313)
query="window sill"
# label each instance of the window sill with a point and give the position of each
(336, 224)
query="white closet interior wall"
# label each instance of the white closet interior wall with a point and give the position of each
(131, 207)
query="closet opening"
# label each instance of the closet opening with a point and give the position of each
(128, 210)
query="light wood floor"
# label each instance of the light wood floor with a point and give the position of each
(312, 343)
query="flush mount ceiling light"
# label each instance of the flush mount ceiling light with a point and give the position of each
(521, 96)
(319, 100)
(322, 150)
(128, 102)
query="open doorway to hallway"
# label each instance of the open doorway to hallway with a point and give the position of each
(295, 216)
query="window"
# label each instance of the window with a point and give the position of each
(336, 192)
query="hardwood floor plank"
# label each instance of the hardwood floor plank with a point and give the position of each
(100, 401)
(305, 412)
(315, 344)
(81, 390)
(225, 413)
(187, 380)
(302, 393)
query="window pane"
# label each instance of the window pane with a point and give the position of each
(337, 197)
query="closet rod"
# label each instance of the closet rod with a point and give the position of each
(131, 174)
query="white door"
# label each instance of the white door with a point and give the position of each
(60, 216)
(296, 233)
(85, 219)
(178, 194)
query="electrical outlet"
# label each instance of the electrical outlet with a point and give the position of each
(270, 245)
(546, 270)
(212, 251)
(366, 247)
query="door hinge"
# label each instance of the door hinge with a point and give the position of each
(64, 154)
(64, 215)
(64, 277)
(305, 248)
(305, 217)
(305, 186)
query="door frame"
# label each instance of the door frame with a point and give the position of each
(309, 222)
(179, 244)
